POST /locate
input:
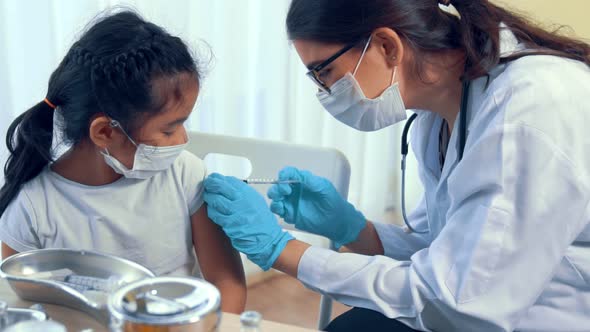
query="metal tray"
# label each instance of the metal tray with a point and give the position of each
(19, 269)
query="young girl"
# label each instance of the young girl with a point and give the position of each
(126, 187)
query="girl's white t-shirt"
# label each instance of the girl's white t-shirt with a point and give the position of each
(146, 221)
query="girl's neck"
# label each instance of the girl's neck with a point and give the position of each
(84, 164)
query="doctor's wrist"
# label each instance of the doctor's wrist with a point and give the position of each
(288, 260)
(355, 224)
(367, 243)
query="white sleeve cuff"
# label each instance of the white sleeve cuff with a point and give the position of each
(196, 205)
(15, 244)
(312, 265)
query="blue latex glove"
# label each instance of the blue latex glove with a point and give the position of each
(315, 206)
(245, 218)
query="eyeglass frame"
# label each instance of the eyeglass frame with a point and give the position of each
(314, 72)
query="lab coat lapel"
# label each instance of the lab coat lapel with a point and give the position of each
(452, 155)
(508, 45)
(428, 147)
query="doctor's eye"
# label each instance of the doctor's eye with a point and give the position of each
(324, 73)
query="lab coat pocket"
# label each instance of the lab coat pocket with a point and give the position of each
(481, 250)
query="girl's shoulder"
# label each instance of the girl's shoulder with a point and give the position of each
(189, 165)
(21, 217)
(192, 172)
(34, 188)
(187, 158)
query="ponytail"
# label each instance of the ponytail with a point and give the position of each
(29, 140)
(480, 34)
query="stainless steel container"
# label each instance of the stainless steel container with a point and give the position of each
(166, 304)
(30, 274)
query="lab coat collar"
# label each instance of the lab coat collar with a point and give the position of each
(509, 44)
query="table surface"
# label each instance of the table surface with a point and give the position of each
(76, 321)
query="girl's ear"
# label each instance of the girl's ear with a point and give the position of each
(101, 132)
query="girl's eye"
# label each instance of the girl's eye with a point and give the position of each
(168, 133)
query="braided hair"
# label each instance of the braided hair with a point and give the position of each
(110, 70)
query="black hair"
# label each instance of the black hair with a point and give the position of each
(112, 70)
(427, 29)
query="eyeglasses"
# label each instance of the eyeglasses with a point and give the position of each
(314, 73)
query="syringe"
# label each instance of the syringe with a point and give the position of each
(270, 181)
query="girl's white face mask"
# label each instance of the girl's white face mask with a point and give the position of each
(148, 160)
(349, 105)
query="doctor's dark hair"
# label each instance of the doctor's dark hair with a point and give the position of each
(123, 67)
(427, 29)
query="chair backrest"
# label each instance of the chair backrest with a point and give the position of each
(269, 157)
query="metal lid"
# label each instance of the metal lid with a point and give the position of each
(3, 308)
(165, 301)
(250, 319)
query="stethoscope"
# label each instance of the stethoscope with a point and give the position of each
(462, 140)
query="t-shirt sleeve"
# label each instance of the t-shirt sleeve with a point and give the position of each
(18, 225)
(193, 173)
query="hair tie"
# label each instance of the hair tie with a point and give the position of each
(447, 7)
(50, 104)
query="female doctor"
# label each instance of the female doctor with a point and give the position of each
(501, 240)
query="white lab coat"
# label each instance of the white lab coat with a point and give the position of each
(509, 241)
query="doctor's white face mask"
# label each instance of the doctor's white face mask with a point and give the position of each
(349, 105)
(148, 160)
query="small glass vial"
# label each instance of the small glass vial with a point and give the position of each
(115, 325)
(250, 321)
(3, 315)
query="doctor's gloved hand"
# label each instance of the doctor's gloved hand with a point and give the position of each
(245, 218)
(315, 206)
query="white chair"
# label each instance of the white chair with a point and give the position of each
(268, 158)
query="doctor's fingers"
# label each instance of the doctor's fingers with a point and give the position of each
(309, 180)
(218, 204)
(218, 184)
(227, 223)
(241, 189)
(238, 184)
(278, 208)
(314, 183)
(279, 192)
(290, 174)
(283, 210)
